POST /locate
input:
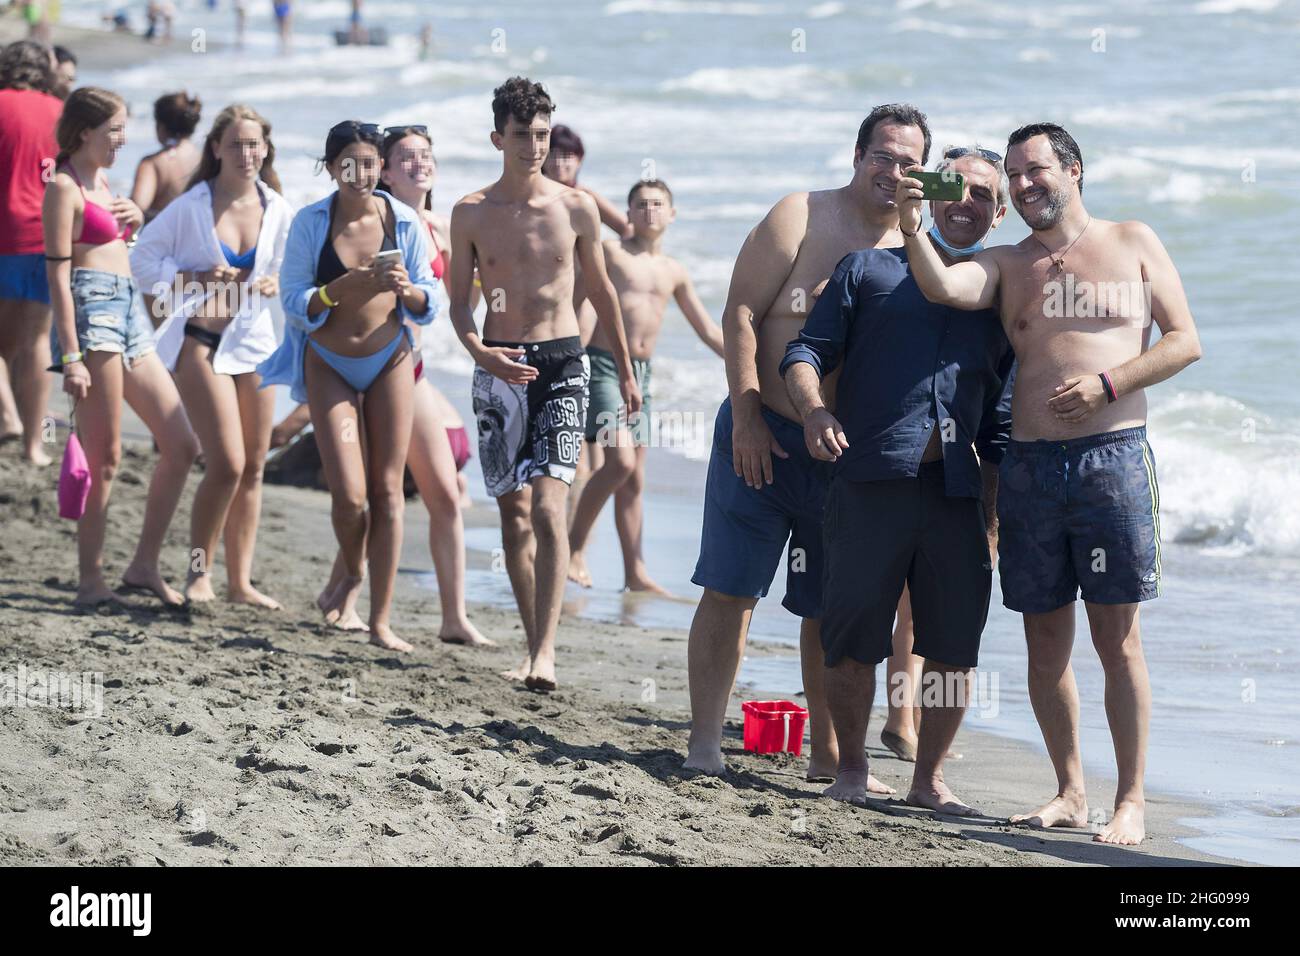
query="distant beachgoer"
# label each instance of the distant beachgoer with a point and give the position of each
(104, 344)
(426, 41)
(527, 233)
(357, 32)
(241, 22)
(356, 267)
(65, 73)
(159, 15)
(1079, 510)
(29, 111)
(564, 162)
(763, 487)
(645, 280)
(226, 235)
(283, 10)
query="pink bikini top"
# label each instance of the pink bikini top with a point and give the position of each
(98, 225)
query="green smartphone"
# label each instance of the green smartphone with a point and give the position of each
(944, 187)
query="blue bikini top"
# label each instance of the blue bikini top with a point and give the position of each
(237, 260)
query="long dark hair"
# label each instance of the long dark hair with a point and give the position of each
(396, 135)
(210, 165)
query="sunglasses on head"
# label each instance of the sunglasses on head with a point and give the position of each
(956, 152)
(367, 131)
(417, 128)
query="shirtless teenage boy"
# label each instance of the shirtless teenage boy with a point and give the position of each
(645, 280)
(525, 233)
(763, 487)
(1079, 507)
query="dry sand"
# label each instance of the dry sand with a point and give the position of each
(234, 736)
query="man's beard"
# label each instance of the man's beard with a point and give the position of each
(1047, 213)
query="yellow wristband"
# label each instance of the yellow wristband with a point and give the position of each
(71, 357)
(325, 297)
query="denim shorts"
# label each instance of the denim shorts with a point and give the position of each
(110, 317)
(1080, 515)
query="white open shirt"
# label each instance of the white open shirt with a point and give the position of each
(183, 238)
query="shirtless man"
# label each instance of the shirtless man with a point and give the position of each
(763, 486)
(1079, 509)
(525, 233)
(645, 280)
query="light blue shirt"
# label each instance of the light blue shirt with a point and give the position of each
(308, 234)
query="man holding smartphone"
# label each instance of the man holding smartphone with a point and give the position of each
(1077, 298)
(923, 388)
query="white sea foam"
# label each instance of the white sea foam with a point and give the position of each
(1229, 476)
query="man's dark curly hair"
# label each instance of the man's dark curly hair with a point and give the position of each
(521, 98)
(25, 65)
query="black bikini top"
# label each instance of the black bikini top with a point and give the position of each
(329, 266)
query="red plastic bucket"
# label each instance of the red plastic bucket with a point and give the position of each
(773, 726)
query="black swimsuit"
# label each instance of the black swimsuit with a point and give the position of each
(329, 266)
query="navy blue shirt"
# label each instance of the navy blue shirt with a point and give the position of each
(910, 366)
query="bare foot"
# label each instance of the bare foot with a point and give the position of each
(541, 675)
(382, 635)
(250, 595)
(904, 748)
(821, 769)
(645, 584)
(464, 633)
(578, 572)
(1127, 827)
(37, 456)
(151, 580)
(850, 786)
(323, 599)
(875, 786)
(519, 673)
(96, 594)
(1063, 810)
(341, 610)
(937, 797)
(199, 590)
(706, 759)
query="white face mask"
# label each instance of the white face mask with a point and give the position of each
(950, 249)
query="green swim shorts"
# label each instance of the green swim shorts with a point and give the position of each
(605, 407)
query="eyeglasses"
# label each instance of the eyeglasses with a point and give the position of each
(956, 152)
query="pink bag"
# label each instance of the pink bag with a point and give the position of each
(74, 480)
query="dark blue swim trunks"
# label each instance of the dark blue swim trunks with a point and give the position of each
(1081, 515)
(745, 530)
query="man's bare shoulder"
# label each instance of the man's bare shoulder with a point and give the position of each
(467, 203)
(1133, 232)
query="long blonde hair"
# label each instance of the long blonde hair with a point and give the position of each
(210, 166)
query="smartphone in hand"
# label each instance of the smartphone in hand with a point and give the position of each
(943, 187)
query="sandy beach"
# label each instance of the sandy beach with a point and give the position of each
(232, 736)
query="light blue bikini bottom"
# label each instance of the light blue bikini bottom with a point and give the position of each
(361, 372)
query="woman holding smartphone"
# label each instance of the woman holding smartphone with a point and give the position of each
(103, 343)
(214, 254)
(356, 266)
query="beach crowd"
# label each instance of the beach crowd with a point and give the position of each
(908, 407)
